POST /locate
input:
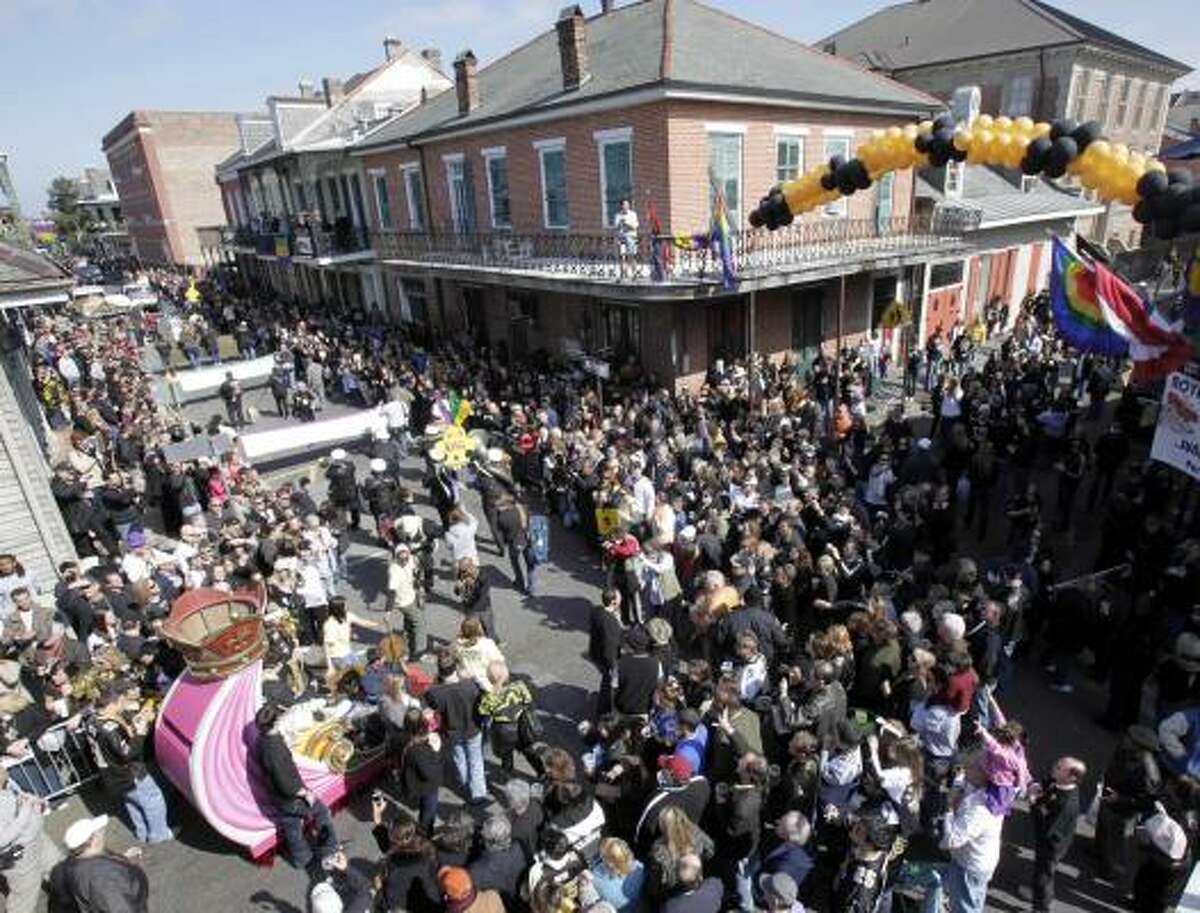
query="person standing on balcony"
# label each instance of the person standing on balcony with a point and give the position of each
(626, 224)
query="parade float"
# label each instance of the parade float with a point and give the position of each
(205, 736)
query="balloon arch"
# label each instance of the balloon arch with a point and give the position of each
(1169, 203)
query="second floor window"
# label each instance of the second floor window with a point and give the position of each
(301, 198)
(1102, 93)
(1079, 97)
(554, 186)
(789, 158)
(836, 145)
(725, 172)
(497, 175)
(1123, 94)
(382, 202)
(616, 176)
(335, 199)
(1019, 96)
(883, 201)
(458, 180)
(1139, 111)
(414, 194)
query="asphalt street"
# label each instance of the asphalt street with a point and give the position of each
(546, 643)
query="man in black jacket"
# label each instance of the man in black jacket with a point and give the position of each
(294, 802)
(604, 644)
(501, 864)
(343, 486)
(455, 700)
(638, 675)
(1055, 809)
(92, 878)
(678, 785)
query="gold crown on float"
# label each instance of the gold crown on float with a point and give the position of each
(217, 632)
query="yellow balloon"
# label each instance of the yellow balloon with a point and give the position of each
(984, 122)
(1040, 129)
(1155, 165)
(962, 139)
(893, 132)
(910, 132)
(925, 126)
(1100, 150)
(1024, 124)
(1137, 160)
(1003, 123)
(1120, 151)
(983, 138)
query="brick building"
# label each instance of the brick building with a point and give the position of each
(297, 199)
(1028, 58)
(162, 164)
(491, 208)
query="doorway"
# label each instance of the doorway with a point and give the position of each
(808, 305)
(726, 329)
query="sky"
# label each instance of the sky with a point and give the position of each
(73, 68)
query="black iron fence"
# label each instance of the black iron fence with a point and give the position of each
(663, 258)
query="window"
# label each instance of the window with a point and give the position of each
(1029, 182)
(357, 210)
(414, 302)
(725, 172)
(1139, 111)
(335, 200)
(300, 198)
(1079, 95)
(552, 155)
(1123, 102)
(789, 158)
(942, 275)
(883, 201)
(1102, 87)
(459, 188)
(382, 202)
(1158, 114)
(836, 145)
(616, 172)
(414, 195)
(954, 176)
(497, 177)
(623, 329)
(1019, 100)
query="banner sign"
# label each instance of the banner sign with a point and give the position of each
(1177, 436)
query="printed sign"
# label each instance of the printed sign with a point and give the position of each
(607, 521)
(1177, 436)
(457, 445)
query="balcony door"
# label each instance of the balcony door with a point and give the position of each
(462, 204)
(727, 329)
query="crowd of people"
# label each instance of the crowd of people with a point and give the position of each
(803, 663)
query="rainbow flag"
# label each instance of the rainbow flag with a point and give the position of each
(1076, 306)
(722, 242)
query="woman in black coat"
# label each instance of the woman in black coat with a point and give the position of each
(422, 767)
(409, 871)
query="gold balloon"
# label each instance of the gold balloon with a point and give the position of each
(1040, 129)
(925, 126)
(984, 122)
(1003, 123)
(910, 132)
(893, 132)
(1099, 150)
(1024, 124)
(1120, 151)
(962, 139)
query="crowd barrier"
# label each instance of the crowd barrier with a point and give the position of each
(60, 763)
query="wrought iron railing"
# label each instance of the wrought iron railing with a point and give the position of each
(316, 241)
(661, 259)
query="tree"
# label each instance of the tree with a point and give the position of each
(71, 222)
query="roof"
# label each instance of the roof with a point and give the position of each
(1000, 201)
(1184, 113)
(25, 275)
(1182, 151)
(669, 44)
(923, 32)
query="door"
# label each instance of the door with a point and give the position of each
(726, 329)
(983, 286)
(808, 305)
(475, 316)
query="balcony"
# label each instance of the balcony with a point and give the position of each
(316, 242)
(759, 257)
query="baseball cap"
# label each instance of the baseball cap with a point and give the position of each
(378, 465)
(81, 831)
(338, 454)
(679, 768)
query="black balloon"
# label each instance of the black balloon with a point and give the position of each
(1062, 127)
(1190, 220)
(1086, 134)
(1037, 150)
(836, 162)
(959, 155)
(858, 171)
(755, 218)
(1178, 176)
(829, 181)
(939, 157)
(1142, 214)
(1030, 166)
(944, 120)
(845, 181)
(1062, 151)
(1166, 229)
(786, 217)
(1172, 203)
(1151, 184)
(921, 143)
(944, 136)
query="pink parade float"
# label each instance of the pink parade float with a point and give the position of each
(205, 736)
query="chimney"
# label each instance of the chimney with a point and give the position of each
(572, 46)
(606, 7)
(308, 89)
(392, 46)
(465, 82)
(433, 57)
(334, 90)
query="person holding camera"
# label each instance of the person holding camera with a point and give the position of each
(26, 852)
(122, 731)
(408, 875)
(343, 889)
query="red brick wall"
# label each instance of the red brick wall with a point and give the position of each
(689, 155)
(942, 309)
(391, 164)
(1035, 266)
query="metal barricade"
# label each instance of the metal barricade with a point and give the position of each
(59, 764)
